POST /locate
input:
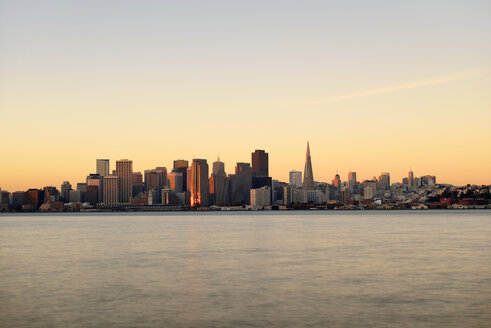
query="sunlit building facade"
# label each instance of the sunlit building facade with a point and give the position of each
(200, 189)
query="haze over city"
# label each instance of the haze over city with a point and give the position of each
(374, 88)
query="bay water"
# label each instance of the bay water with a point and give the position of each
(246, 269)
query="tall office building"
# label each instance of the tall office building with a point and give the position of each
(82, 188)
(384, 180)
(200, 188)
(137, 182)
(410, 178)
(241, 184)
(98, 181)
(308, 175)
(111, 190)
(259, 160)
(51, 194)
(261, 197)
(124, 170)
(102, 167)
(296, 179)
(19, 199)
(175, 180)
(218, 167)
(65, 191)
(351, 178)
(181, 166)
(219, 184)
(337, 181)
(153, 183)
(163, 171)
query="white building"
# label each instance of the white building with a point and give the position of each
(296, 179)
(261, 197)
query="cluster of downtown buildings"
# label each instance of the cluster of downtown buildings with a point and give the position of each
(191, 186)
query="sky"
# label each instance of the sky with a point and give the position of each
(373, 86)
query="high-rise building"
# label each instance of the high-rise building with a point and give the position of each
(175, 180)
(261, 197)
(337, 181)
(219, 184)
(296, 179)
(51, 194)
(384, 180)
(308, 175)
(102, 167)
(65, 191)
(259, 160)
(219, 187)
(200, 188)
(124, 170)
(96, 180)
(181, 166)
(241, 184)
(352, 178)
(410, 178)
(163, 171)
(4, 200)
(218, 167)
(137, 183)
(18, 199)
(153, 184)
(34, 198)
(369, 189)
(82, 188)
(111, 189)
(92, 195)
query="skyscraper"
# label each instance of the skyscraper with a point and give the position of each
(352, 178)
(240, 184)
(218, 167)
(65, 191)
(384, 180)
(296, 179)
(124, 170)
(181, 166)
(137, 182)
(410, 178)
(308, 175)
(175, 181)
(111, 190)
(336, 181)
(98, 181)
(259, 160)
(200, 188)
(219, 184)
(102, 167)
(153, 184)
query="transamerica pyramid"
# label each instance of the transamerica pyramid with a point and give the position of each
(308, 175)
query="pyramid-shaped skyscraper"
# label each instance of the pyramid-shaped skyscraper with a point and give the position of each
(308, 175)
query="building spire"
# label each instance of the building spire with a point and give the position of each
(308, 175)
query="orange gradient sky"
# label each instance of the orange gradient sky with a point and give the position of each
(374, 87)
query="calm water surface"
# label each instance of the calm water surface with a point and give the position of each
(267, 269)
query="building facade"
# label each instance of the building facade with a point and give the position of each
(124, 171)
(102, 167)
(200, 189)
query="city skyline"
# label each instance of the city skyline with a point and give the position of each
(374, 88)
(111, 163)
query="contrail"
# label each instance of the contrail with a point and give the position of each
(410, 85)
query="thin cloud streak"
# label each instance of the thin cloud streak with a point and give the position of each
(410, 85)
